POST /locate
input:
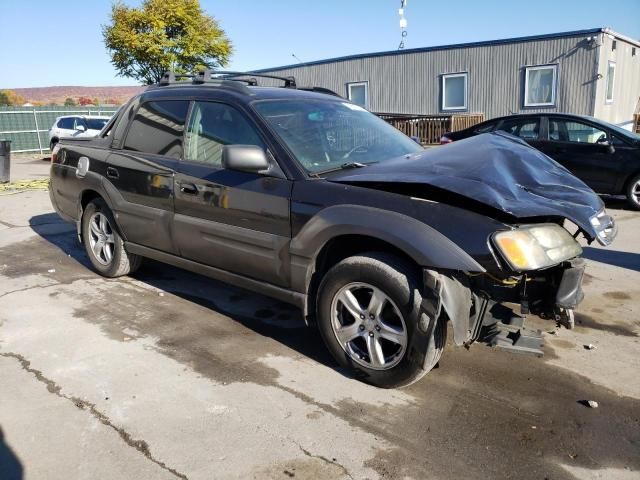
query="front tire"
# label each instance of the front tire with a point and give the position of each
(369, 307)
(633, 193)
(103, 243)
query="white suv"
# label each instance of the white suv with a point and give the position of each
(75, 126)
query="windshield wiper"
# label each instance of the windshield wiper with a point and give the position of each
(348, 165)
(345, 166)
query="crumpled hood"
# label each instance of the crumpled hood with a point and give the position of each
(496, 169)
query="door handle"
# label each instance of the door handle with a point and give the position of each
(189, 188)
(112, 172)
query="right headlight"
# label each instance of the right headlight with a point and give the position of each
(531, 247)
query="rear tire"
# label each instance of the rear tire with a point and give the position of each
(369, 307)
(633, 193)
(53, 144)
(103, 244)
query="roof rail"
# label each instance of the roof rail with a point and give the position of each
(171, 77)
(289, 82)
(230, 79)
(326, 91)
(203, 76)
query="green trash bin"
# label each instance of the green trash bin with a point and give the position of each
(5, 161)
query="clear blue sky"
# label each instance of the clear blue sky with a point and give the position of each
(49, 42)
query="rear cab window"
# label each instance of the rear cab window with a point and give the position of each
(157, 128)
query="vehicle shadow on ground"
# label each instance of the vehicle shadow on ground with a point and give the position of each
(10, 466)
(282, 322)
(59, 233)
(617, 203)
(630, 261)
(268, 317)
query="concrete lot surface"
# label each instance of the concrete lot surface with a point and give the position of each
(167, 374)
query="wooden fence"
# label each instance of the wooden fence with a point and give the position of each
(429, 128)
(636, 122)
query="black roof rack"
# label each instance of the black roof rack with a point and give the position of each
(171, 78)
(203, 76)
(233, 80)
(326, 91)
(289, 82)
(221, 77)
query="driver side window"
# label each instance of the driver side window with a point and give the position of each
(211, 127)
(575, 132)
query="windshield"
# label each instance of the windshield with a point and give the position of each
(325, 135)
(96, 123)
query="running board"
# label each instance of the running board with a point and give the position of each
(513, 337)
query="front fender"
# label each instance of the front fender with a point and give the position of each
(425, 245)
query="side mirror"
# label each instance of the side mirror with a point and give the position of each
(245, 158)
(603, 141)
(81, 128)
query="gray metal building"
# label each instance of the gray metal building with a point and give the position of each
(591, 72)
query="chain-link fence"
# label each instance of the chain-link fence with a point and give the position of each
(28, 127)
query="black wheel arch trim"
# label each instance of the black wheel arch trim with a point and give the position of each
(421, 242)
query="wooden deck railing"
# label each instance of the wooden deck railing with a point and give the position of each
(636, 122)
(429, 128)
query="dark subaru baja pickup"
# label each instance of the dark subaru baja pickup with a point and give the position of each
(301, 195)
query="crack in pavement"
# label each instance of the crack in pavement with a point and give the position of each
(140, 445)
(29, 288)
(323, 458)
(7, 224)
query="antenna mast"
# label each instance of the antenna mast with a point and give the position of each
(403, 24)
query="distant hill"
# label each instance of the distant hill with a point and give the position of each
(58, 95)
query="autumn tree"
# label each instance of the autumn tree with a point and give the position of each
(84, 101)
(164, 35)
(70, 102)
(9, 97)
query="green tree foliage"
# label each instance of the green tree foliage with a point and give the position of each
(70, 102)
(164, 35)
(9, 97)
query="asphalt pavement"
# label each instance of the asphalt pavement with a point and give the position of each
(168, 374)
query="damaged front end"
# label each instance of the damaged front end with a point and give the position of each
(539, 271)
(518, 213)
(492, 309)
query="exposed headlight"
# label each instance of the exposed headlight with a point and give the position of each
(605, 227)
(532, 247)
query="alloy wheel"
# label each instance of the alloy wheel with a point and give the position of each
(368, 326)
(635, 192)
(101, 238)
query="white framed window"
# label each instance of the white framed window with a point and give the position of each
(358, 93)
(611, 75)
(454, 91)
(540, 85)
